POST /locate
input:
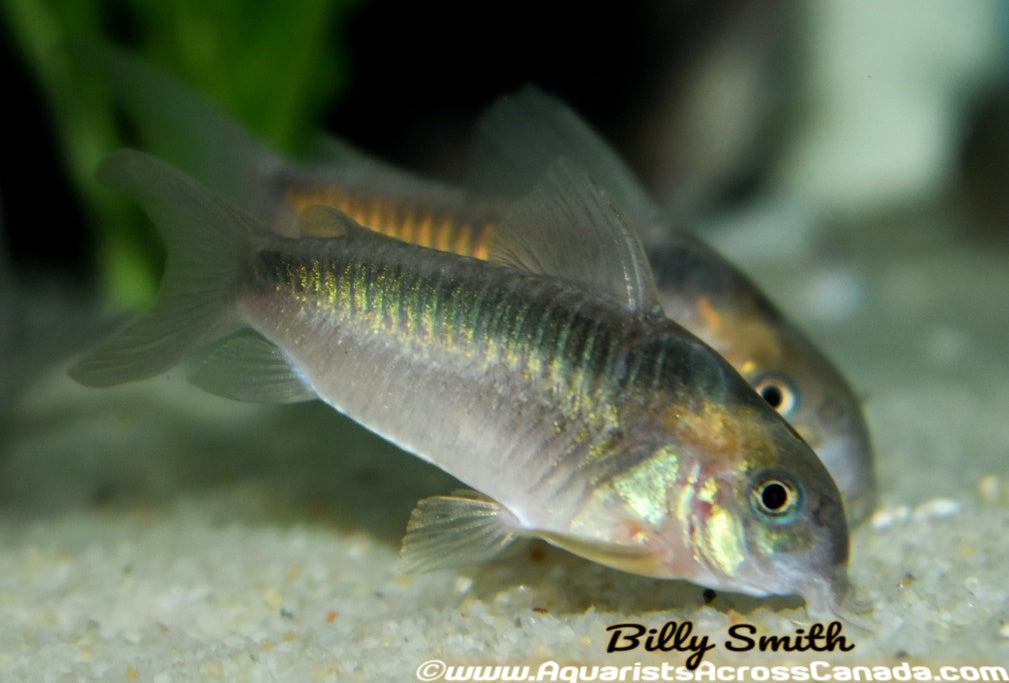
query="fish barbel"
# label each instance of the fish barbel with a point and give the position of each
(516, 140)
(575, 411)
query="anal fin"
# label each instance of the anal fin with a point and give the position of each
(248, 367)
(460, 529)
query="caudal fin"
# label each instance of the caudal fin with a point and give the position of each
(191, 133)
(188, 131)
(204, 239)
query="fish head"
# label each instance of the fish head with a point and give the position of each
(726, 310)
(763, 514)
(808, 391)
(794, 377)
(715, 487)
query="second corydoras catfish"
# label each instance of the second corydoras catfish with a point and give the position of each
(576, 410)
(516, 141)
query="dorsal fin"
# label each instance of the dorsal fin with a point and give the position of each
(520, 135)
(567, 226)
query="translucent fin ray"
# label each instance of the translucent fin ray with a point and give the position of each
(520, 135)
(204, 238)
(336, 160)
(567, 226)
(190, 132)
(460, 529)
(248, 367)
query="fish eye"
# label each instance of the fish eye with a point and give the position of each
(776, 497)
(778, 392)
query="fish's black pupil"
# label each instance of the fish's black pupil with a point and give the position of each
(774, 496)
(772, 395)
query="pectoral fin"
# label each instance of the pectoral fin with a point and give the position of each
(633, 559)
(469, 528)
(460, 529)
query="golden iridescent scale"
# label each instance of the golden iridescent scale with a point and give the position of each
(544, 377)
(516, 139)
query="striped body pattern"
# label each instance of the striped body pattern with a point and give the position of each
(436, 227)
(545, 392)
(574, 357)
(515, 141)
(518, 343)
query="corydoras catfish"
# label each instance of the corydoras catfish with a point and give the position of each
(576, 411)
(515, 142)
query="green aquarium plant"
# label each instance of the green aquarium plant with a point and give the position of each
(274, 66)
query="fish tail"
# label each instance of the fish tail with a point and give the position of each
(187, 130)
(206, 242)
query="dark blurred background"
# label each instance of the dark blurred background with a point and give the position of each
(715, 104)
(403, 80)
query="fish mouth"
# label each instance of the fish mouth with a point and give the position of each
(825, 595)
